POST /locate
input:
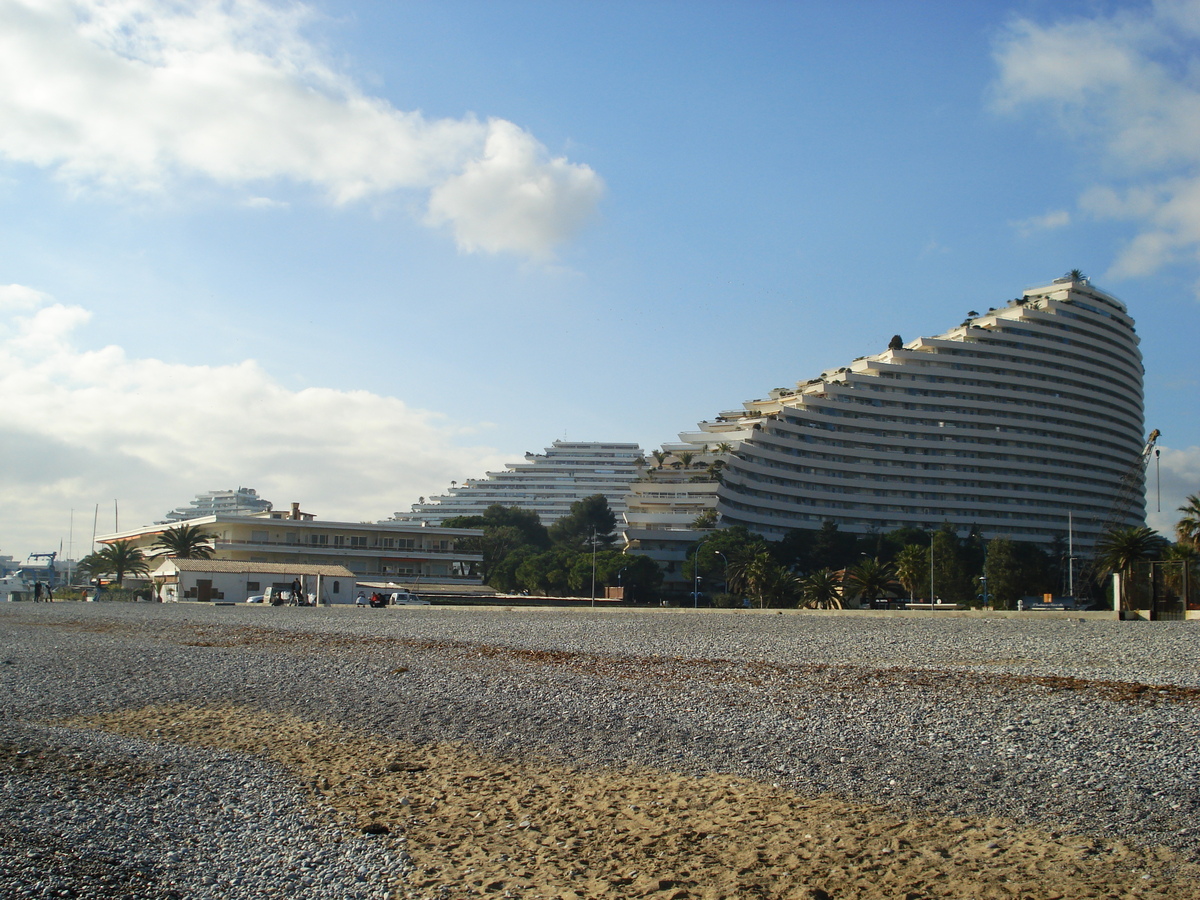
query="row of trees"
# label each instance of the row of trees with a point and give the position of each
(121, 558)
(571, 558)
(828, 568)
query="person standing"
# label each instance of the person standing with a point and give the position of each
(37, 592)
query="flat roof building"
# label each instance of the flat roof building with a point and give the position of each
(413, 555)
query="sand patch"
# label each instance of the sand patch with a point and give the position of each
(478, 825)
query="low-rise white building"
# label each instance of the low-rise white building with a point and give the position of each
(415, 555)
(218, 580)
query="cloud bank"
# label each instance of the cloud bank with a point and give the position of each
(138, 95)
(1127, 85)
(86, 426)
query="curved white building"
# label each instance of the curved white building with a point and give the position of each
(1014, 422)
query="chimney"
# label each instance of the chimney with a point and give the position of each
(295, 512)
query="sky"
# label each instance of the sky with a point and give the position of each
(346, 252)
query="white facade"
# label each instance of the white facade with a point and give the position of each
(242, 502)
(223, 580)
(546, 484)
(1010, 422)
(405, 552)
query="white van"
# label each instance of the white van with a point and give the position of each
(403, 598)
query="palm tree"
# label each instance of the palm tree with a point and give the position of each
(660, 457)
(764, 581)
(120, 558)
(871, 579)
(1121, 548)
(822, 590)
(184, 542)
(1187, 557)
(1187, 529)
(686, 458)
(912, 569)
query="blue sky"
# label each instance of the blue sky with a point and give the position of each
(347, 252)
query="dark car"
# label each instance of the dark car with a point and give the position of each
(378, 600)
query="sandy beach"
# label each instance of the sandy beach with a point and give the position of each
(490, 816)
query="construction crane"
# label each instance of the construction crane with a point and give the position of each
(49, 557)
(1132, 483)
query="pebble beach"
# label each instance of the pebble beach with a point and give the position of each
(186, 750)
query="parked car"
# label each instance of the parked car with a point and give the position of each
(404, 598)
(256, 598)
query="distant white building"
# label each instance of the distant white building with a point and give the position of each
(242, 502)
(546, 484)
(416, 557)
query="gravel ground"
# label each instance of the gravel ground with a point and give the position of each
(1086, 726)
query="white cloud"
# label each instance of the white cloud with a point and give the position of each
(1058, 218)
(264, 203)
(512, 196)
(135, 95)
(17, 297)
(1179, 473)
(1126, 84)
(86, 426)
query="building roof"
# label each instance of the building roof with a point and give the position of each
(237, 567)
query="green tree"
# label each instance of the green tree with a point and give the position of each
(822, 590)
(1187, 529)
(118, 559)
(507, 531)
(498, 516)
(185, 542)
(794, 549)
(870, 579)
(1120, 549)
(768, 584)
(720, 550)
(1003, 573)
(495, 545)
(833, 549)
(548, 572)
(503, 575)
(588, 517)
(951, 580)
(912, 570)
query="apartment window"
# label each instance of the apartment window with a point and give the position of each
(259, 537)
(319, 539)
(252, 587)
(358, 541)
(339, 540)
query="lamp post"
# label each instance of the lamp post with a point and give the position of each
(726, 561)
(696, 575)
(931, 594)
(593, 567)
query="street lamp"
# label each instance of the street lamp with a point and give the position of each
(931, 593)
(593, 566)
(726, 561)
